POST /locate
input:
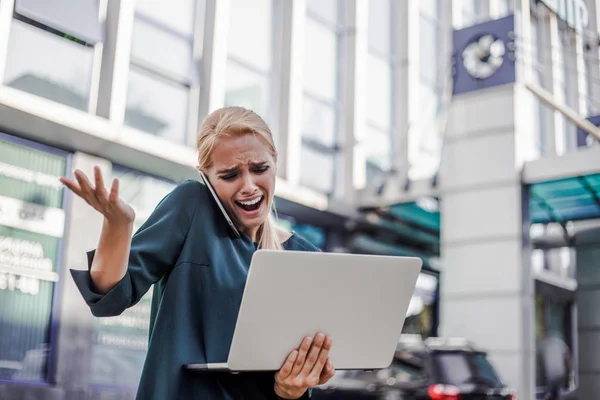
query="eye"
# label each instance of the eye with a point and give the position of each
(261, 170)
(229, 177)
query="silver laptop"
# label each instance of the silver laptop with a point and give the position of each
(359, 300)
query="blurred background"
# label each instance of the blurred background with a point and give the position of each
(463, 132)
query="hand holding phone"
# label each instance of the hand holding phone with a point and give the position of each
(214, 194)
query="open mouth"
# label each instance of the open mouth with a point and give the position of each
(251, 205)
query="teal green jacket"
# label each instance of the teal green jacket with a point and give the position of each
(199, 269)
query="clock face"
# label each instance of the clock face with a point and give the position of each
(484, 56)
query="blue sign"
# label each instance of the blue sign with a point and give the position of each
(584, 139)
(484, 56)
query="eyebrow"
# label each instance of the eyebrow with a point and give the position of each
(234, 169)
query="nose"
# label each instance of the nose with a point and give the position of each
(249, 187)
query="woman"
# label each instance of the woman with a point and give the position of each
(198, 267)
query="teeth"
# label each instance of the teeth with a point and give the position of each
(251, 202)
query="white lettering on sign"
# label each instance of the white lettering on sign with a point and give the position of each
(27, 175)
(573, 12)
(116, 340)
(23, 284)
(32, 217)
(25, 258)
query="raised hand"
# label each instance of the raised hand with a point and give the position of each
(115, 210)
(307, 367)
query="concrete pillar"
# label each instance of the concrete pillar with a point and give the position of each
(76, 322)
(486, 284)
(291, 96)
(587, 245)
(352, 163)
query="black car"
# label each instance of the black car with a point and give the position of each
(431, 369)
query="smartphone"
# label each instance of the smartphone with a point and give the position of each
(214, 195)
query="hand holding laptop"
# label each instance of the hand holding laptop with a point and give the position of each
(304, 368)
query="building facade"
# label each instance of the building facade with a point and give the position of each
(378, 153)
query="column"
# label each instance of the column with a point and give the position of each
(587, 245)
(292, 90)
(214, 57)
(76, 321)
(486, 284)
(116, 55)
(352, 162)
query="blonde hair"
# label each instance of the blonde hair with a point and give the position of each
(237, 121)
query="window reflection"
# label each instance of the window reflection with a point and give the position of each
(250, 32)
(319, 122)
(320, 61)
(178, 16)
(378, 148)
(156, 106)
(425, 136)
(162, 68)
(377, 142)
(327, 10)
(380, 26)
(247, 89)
(249, 67)
(317, 169)
(48, 66)
(379, 92)
(156, 48)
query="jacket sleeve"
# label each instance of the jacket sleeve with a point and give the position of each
(155, 248)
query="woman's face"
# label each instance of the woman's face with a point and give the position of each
(243, 174)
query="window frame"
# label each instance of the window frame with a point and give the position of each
(336, 106)
(273, 75)
(95, 48)
(189, 83)
(393, 62)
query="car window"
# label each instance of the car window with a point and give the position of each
(405, 372)
(457, 368)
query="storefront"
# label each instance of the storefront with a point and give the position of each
(32, 221)
(120, 343)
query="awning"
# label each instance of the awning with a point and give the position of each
(565, 200)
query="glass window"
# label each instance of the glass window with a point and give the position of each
(48, 66)
(249, 70)
(320, 60)
(319, 122)
(250, 32)
(378, 148)
(405, 372)
(471, 11)
(178, 16)
(380, 26)
(429, 104)
(157, 106)
(503, 7)
(464, 368)
(324, 9)
(321, 96)
(430, 49)
(76, 17)
(160, 50)
(120, 343)
(31, 229)
(430, 8)
(247, 89)
(379, 92)
(424, 147)
(317, 169)
(158, 97)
